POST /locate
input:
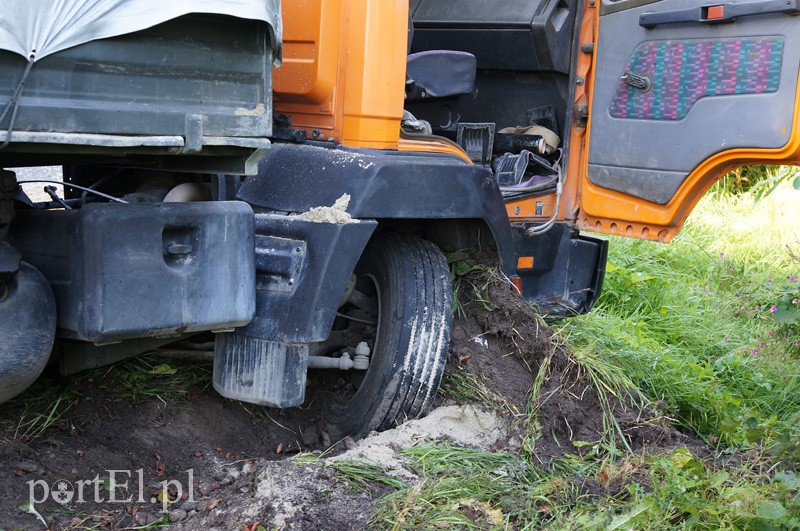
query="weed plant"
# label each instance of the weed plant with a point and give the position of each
(708, 324)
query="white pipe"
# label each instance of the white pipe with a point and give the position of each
(343, 363)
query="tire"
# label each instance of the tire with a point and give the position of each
(27, 330)
(414, 296)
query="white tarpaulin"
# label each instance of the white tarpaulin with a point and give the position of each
(44, 27)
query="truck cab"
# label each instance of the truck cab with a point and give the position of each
(289, 179)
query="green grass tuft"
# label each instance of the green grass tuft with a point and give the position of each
(694, 325)
(707, 327)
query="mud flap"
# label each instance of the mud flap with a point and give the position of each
(302, 269)
(254, 370)
(561, 270)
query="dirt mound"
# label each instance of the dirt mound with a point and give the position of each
(315, 493)
(99, 428)
(75, 434)
(499, 336)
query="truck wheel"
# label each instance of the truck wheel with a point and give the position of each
(27, 329)
(409, 280)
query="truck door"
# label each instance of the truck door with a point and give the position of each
(683, 91)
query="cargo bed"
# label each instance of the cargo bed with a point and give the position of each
(197, 86)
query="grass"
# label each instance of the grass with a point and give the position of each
(463, 385)
(361, 475)
(708, 328)
(48, 402)
(608, 380)
(468, 489)
(695, 323)
(29, 415)
(151, 376)
(464, 488)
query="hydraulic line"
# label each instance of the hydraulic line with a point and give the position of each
(78, 187)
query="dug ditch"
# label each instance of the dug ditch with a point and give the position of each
(109, 439)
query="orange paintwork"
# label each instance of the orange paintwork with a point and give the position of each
(343, 75)
(610, 212)
(344, 70)
(305, 84)
(526, 209)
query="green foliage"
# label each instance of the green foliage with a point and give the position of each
(760, 180)
(706, 327)
(42, 406)
(360, 475)
(774, 181)
(46, 403)
(708, 324)
(609, 381)
(150, 376)
(684, 492)
(468, 489)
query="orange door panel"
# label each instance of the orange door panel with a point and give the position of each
(676, 101)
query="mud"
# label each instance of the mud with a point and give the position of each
(502, 338)
(237, 453)
(149, 440)
(310, 495)
(332, 214)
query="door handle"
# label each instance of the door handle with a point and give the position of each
(719, 13)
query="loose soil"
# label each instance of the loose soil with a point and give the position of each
(237, 453)
(505, 340)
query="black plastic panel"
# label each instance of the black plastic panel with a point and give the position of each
(302, 269)
(144, 270)
(502, 34)
(567, 273)
(381, 185)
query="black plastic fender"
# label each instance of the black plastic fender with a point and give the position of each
(381, 185)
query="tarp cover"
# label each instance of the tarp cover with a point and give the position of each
(49, 26)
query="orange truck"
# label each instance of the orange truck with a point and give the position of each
(284, 180)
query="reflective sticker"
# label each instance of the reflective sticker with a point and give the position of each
(715, 12)
(525, 262)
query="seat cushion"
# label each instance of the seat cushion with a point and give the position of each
(442, 73)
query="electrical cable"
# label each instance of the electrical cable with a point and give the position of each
(102, 181)
(77, 187)
(356, 319)
(541, 229)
